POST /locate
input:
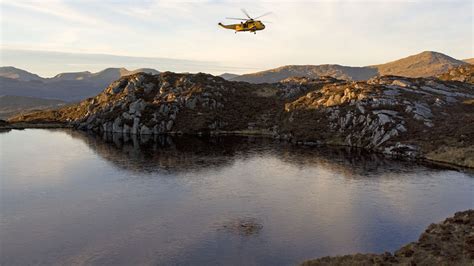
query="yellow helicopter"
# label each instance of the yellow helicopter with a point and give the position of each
(248, 24)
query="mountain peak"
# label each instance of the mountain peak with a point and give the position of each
(431, 53)
(426, 55)
(434, 57)
(17, 74)
(424, 64)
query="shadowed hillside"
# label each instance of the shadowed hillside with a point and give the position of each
(14, 105)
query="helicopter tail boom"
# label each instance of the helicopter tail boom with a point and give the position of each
(226, 26)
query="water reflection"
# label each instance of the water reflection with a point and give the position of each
(185, 153)
(71, 198)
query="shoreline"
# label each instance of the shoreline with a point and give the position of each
(248, 133)
(23, 125)
(450, 242)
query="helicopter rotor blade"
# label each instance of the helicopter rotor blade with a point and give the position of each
(238, 18)
(266, 14)
(245, 12)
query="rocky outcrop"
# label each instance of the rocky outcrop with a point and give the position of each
(408, 117)
(463, 73)
(448, 243)
(394, 115)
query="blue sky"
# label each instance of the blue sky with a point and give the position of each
(51, 36)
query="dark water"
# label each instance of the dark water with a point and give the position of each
(69, 198)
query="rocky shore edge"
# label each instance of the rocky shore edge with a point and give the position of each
(6, 126)
(450, 242)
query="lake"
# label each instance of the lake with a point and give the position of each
(72, 198)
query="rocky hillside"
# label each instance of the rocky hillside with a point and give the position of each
(463, 73)
(72, 86)
(424, 64)
(450, 242)
(410, 117)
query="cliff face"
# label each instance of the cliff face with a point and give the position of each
(424, 117)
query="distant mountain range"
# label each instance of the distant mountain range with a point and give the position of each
(424, 64)
(72, 86)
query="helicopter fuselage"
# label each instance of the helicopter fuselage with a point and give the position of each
(249, 25)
